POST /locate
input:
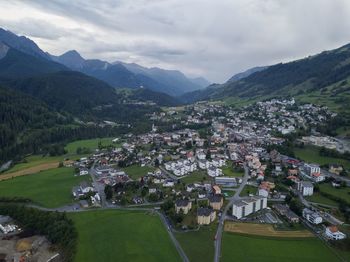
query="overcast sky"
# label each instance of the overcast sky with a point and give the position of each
(210, 38)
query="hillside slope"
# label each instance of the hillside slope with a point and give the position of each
(322, 78)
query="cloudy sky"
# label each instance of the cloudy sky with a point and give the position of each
(210, 38)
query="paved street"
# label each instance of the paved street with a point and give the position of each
(218, 237)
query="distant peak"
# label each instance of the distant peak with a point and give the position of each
(72, 53)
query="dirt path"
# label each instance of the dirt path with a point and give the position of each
(30, 170)
(263, 230)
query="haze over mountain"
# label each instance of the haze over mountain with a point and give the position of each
(122, 75)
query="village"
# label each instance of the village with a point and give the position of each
(195, 175)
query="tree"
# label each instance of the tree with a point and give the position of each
(108, 192)
(296, 206)
(156, 162)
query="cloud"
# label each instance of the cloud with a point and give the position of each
(200, 37)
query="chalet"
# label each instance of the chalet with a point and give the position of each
(216, 201)
(184, 205)
(335, 169)
(205, 216)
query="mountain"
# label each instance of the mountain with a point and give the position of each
(246, 73)
(323, 78)
(22, 44)
(69, 91)
(121, 75)
(25, 121)
(200, 81)
(17, 64)
(173, 82)
(71, 59)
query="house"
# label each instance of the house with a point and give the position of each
(216, 190)
(216, 201)
(335, 169)
(306, 188)
(292, 172)
(248, 205)
(333, 233)
(278, 168)
(184, 205)
(285, 211)
(265, 188)
(201, 156)
(263, 192)
(82, 189)
(168, 183)
(83, 172)
(317, 177)
(86, 188)
(152, 190)
(226, 181)
(205, 216)
(312, 217)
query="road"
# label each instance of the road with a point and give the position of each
(172, 237)
(219, 231)
(98, 186)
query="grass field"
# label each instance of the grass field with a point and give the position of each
(196, 176)
(264, 230)
(249, 190)
(236, 247)
(30, 170)
(50, 188)
(316, 197)
(229, 171)
(113, 235)
(198, 245)
(89, 143)
(136, 171)
(311, 154)
(343, 193)
(37, 163)
(33, 161)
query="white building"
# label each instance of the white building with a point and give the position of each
(201, 156)
(333, 233)
(306, 188)
(317, 177)
(263, 192)
(312, 168)
(312, 217)
(214, 171)
(248, 205)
